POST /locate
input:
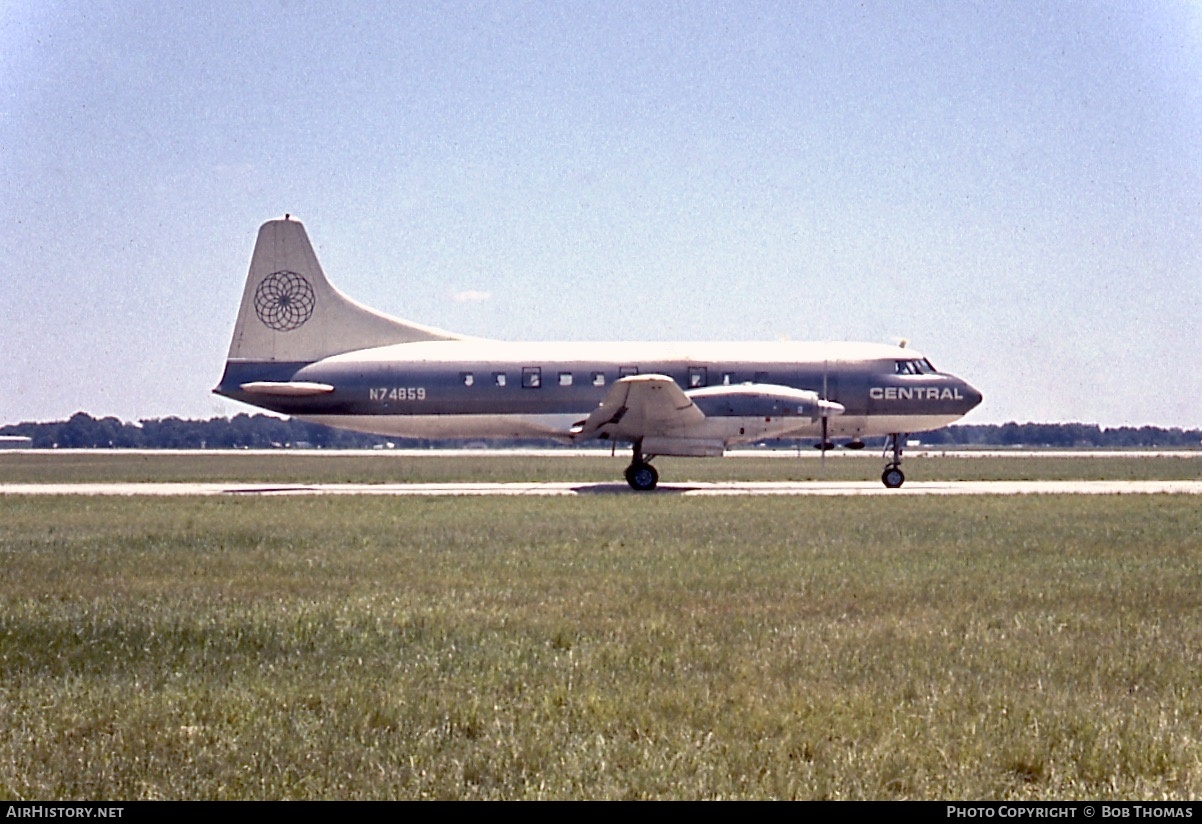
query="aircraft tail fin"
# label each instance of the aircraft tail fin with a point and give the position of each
(291, 313)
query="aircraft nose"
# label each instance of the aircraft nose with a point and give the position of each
(972, 395)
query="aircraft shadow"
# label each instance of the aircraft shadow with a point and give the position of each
(624, 489)
(265, 490)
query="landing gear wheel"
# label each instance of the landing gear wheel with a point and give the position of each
(892, 477)
(642, 477)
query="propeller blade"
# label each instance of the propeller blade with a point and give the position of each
(825, 418)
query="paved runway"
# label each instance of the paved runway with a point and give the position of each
(812, 488)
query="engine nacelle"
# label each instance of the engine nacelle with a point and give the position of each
(762, 400)
(683, 447)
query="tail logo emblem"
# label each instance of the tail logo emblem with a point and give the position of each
(284, 301)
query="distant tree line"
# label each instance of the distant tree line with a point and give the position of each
(82, 431)
(1063, 435)
(243, 431)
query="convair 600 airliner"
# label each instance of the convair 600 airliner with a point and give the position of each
(304, 349)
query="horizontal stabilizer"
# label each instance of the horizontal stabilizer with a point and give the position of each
(287, 389)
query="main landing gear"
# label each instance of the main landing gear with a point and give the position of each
(892, 477)
(641, 475)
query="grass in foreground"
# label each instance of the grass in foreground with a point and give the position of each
(612, 647)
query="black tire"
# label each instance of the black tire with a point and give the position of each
(642, 477)
(892, 477)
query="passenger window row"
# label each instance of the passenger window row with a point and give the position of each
(532, 377)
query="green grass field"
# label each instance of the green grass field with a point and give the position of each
(616, 646)
(315, 467)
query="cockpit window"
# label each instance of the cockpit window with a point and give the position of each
(915, 367)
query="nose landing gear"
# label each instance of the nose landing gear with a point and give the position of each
(893, 477)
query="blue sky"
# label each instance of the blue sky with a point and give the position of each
(1016, 188)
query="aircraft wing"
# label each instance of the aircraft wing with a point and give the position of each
(639, 406)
